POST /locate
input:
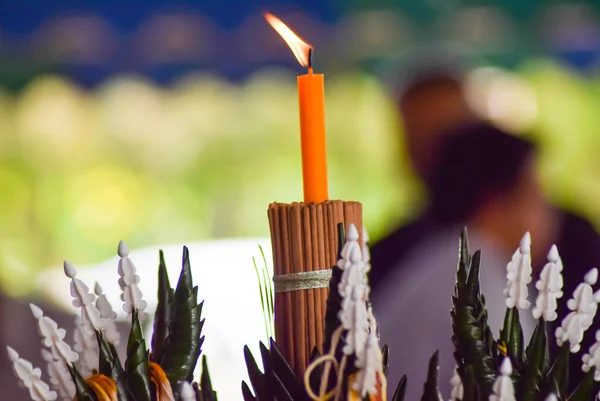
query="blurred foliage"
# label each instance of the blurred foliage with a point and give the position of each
(200, 159)
(203, 158)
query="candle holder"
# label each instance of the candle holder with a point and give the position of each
(305, 248)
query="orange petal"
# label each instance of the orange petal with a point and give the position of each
(164, 392)
(103, 386)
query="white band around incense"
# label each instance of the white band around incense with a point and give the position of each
(302, 281)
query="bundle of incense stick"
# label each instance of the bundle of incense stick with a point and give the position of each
(304, 239)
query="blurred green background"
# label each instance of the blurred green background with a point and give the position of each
(158, 150)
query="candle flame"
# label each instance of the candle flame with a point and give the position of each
(300, 48)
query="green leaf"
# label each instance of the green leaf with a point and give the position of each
(536, 368)
(431, 391)
(385, 359)
(137, 368)
(208, 394)
(109, 365)
(558, 377)
(400, 390)
(183, 344)
(264, 301)
(472, 337)
(246, 393)
(257, 378)
(586, 389)
(82, 390)
(471, 390)
(341, 239)
(512, 336)
(162, 316)
(464, 260)
(285, 373)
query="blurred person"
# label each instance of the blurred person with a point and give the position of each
(431, 104)
(484, 179)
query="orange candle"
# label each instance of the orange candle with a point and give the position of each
(311, 96)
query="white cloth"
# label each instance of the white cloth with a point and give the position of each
(413, 307)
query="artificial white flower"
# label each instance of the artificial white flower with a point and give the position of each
(187, 392)
(583, 306)
(53, 337)
(111, 334)
(349, 246)
(549, 287)
(369, 363)
(30, 378)
(503, 389)
(518, 275)
(591, 360)
(132, 295)
(86, 345)
(59, 375)
(82, 298)
(354, 314)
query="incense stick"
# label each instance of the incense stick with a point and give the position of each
(305, 239)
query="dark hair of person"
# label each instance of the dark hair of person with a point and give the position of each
(426, 76)
(476, 162)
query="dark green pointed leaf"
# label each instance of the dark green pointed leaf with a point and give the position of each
(471, 391)
(162, 316)
(472, 289)
(246, 393)
(184, 342)
(431, 391)
(472, 338)
(341, 239)
(257, 378)
(208, 394)
(285, 373)
(400, 390)
(512, 337)
(385, 359)
(464, 259)
(558, 376)
(110, 365)
(82, 390)
(537, 356)
(585, 391)
(137, 368)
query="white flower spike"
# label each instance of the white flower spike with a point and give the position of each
(30, 378)
(591, 360)
(458, 390)
(53, 337)
(583, 306)
(111, 334)
(87, 347)
(503, 389)
(352, 289)
(59, 375)
(132, 295)
(350, 244)
(82, 298)
(518, 275)
(551, 397)
(550, 287)
(369, 362)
